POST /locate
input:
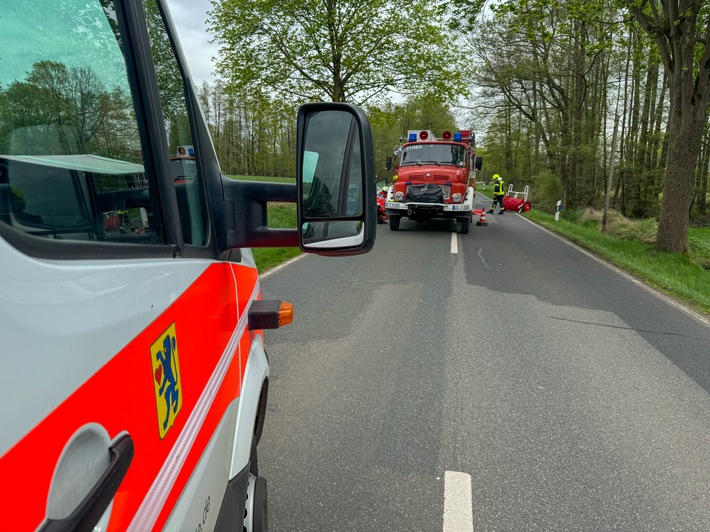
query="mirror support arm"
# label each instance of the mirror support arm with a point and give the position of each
(249, 227)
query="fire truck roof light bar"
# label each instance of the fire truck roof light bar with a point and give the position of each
(412, 137)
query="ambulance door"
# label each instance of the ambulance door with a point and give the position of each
(120, 333)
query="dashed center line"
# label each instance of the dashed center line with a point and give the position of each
(454, 244)
(458, 510)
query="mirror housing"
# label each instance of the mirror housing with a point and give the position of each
(479, 163)
(335, 178)
(388, 163)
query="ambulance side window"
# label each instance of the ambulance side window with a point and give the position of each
(183, 160)
(71, 163)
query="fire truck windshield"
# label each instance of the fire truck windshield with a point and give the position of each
(439, 153)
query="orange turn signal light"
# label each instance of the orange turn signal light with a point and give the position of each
(285, 313)
(269, 314)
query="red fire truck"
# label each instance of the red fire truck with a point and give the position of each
(434, 178)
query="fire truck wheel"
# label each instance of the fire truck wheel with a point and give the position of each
(464, 226)
(394, 223)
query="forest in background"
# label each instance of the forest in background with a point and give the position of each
(563, 95)
(584, 101)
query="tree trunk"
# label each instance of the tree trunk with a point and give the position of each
(685, 133)
(683, 37)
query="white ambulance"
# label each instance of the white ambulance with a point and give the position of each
(133, 373)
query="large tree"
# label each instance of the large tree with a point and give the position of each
(338, 50)
(681, 30)
(543, 64)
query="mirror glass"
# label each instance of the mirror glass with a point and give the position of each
(332, 167)
(338, 234)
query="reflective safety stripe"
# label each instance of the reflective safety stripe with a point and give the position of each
(154, 501)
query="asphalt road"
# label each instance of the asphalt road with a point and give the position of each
(502, 380)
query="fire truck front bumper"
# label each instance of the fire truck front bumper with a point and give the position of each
(428, 210)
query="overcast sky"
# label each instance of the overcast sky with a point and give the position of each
(189, 17)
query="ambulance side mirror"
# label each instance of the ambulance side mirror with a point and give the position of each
(335, 175)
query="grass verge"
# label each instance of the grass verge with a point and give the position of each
(280, 215)
(683, 277)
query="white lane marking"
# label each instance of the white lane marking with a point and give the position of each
(454, 244)
(483, 259)
(458, 510)
(281, 266)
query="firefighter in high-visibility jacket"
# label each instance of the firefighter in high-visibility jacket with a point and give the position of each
(498, 194)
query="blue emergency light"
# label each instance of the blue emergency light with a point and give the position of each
(457, 136)
(412, 137)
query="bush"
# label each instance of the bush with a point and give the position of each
(617, 225)
(573, 216)
(699, 242)
(546, 190)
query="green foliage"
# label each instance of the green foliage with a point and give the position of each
(463, 14)
(699, 241)
(681, 32)
(280, 215)
(347, 50)
(620, 226)
(550, 72)
(267, 258)
(61, 110)
(170, 84)
(546, 190)
(252, 133)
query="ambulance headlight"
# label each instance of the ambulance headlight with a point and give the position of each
(456, 197)
(399, 196)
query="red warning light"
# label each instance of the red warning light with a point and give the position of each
(423, 135)
(446, 135)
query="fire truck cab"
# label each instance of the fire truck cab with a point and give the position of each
(133, 368)
(434, 178)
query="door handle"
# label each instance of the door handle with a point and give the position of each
(89, 511)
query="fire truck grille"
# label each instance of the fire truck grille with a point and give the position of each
(428, 193)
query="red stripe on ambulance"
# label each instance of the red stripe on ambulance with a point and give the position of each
(122, 398)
